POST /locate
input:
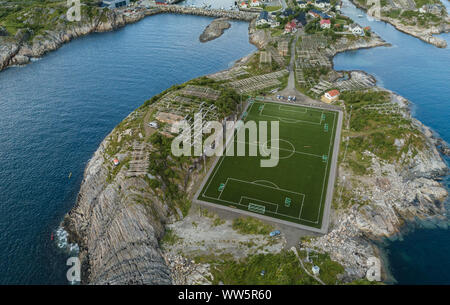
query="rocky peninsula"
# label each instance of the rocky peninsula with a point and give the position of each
(406, 24)
(130, 231)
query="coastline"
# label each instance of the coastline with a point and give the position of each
(18, 51)
(425, 35)
(94, 180)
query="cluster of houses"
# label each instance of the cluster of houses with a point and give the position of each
(435, 9)
(265, 18)
(325, 22)
(250, 3)
(297, 22)
(316, 3)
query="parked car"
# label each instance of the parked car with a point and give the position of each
(275, 233)
(153, 124)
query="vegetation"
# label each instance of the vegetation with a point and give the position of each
(170, 238)
(278, 269)
(376, 128)
(249, 225)
(272, 8)
(420, 3)
(281, 268)
(37, 16)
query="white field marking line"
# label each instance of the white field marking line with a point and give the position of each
(270, 182)
(321, 118)
(289, 120)
(273, 213)
(283, 149)
(285, 106)
(224, 186)
(264, 148)
(244, 206)
(296, 106)
(260, 111)
(222, 157)
(325, 173)
(271, 187)
(254, 199)
(293, 121)
(301, 207)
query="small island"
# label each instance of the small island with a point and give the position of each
(214, 30)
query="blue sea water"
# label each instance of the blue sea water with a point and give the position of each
(419, 72)
(55, 112)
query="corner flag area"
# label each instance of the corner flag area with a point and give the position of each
(299, 189)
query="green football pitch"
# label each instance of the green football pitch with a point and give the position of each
(295, 190)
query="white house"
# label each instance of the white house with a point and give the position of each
(356, 29)
(315, 270)
(255, 3)
(302, 4)
(274, 24)
(322, 3)
(325, 24)
(330, 96)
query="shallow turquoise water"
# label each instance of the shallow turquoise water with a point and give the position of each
(56, 111)
(419, 72)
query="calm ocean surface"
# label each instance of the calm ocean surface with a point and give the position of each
(419, 72)
(55, 112)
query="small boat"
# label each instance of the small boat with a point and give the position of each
(51, 236)
(70, 175)
(360, 16)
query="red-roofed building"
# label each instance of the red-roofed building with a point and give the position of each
(290, 27)
(325, 24)
(330, 96)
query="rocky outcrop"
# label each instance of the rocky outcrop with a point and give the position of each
(424, 34)
(214, 30)
(116, 233)
(383, 201)
(20, 49)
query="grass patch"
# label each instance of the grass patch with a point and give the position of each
(279, 269)
(248, 225)
(170, 238)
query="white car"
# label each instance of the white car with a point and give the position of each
(153, 124)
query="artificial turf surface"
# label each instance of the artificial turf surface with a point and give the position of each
(295, 190)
